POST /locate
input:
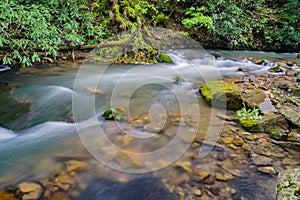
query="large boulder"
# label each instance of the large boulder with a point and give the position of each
(288, 185)
(259, 98)
(291, 115)
(221, 94)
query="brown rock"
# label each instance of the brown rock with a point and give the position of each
(238, 141)
(60, 196)
(221, 177)
(267, 170)
(7, 196)
(197, 192)
(65, 182)
(203, 175)
(32, 190)
(260, 99)
(75, 165)
(227, 140)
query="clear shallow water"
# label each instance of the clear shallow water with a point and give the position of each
(32, 143)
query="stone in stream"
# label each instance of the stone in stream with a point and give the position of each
(271, 121)
(7, 196)
(31, 190)
(221, 94)
(267, 170)
(260, 99)
(75, 165)
(288, 185)
(291, 115)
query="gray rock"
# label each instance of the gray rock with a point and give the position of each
(260, 99)
(291, 115)
(288, 186)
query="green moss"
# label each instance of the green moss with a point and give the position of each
(277, 134)
(114, 114)
(276, 69)
(146, 55)
(222, 93)
(165, 58)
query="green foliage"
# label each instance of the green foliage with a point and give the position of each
(46, 25)
(197, 19)
(114, 114)
(248, 117)
(262, 24)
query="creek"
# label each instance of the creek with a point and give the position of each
(61, 121)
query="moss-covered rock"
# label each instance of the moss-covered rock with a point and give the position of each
(146, 55)
(269, 122)
(288, 186)
(278, 134)
(165, 58)
(117, 114)
(219, 93)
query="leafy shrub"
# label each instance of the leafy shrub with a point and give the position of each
(28, 26)
(248, 117)
(197, 19)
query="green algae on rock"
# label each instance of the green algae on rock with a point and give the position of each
(163, 57)
(146, 55)
(114, 114)
(288, 185)
(219, 93)
(269, 122)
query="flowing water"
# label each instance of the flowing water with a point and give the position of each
(55, 116)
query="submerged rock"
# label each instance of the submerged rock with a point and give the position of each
(117, 114)
(288, 186)
(7, 196)
(267, 170)
(75, 165)
(145, 188)
(221, 94)
(31, 190)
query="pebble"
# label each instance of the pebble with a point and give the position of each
(267, 170)
(221, 177)
(186, 166)
(203, 175)
(33, 190)
(227, 140)
(197, 192)
(238, 141)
